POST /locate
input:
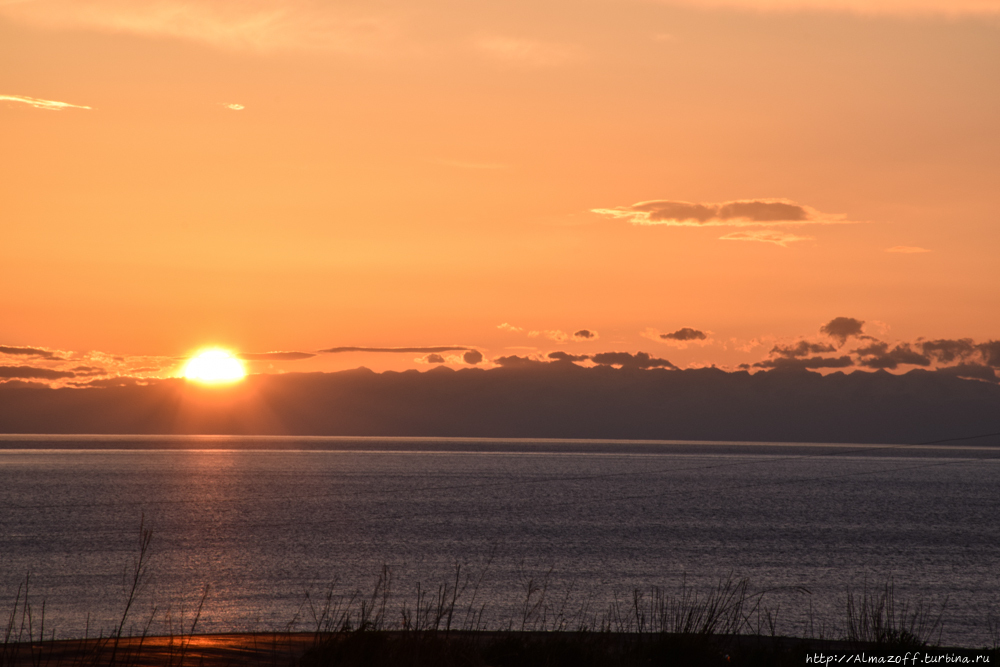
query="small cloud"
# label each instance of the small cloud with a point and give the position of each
(742, 213)
(585, 334)
(685, 334)
(680, 339)
(767, 236)
(628, 360)
(906, 249)
(509, 327)
(431, 359)
(526, 52)
(234, 107)
(472, 357)
(275, 356)
(842, 328)
(50, 105)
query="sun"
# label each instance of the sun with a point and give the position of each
(214, 366)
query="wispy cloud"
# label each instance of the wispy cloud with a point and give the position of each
(906, 249)
(249, 24)
(741, 213)
(767, 236)
(562, 336)
(275, 356)
(865, 7)
(526, 52)
(403, 350)
(233, 106)
(464, 164)
(49, 105)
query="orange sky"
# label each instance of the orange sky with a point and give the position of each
(306, 175)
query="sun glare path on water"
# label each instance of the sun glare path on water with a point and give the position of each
(214, 366)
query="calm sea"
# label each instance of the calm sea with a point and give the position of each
(264, 522)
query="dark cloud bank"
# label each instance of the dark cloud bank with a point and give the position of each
(532, 399)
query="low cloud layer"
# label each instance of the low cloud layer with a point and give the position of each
(742, 213)
(629, 360)
(49, 105)
(880, 355)
(537, 400)
(402, 350)
(29, 352)
(962, 357)
(565, 356)
(32, 373)
(801, 349)
(811, 363)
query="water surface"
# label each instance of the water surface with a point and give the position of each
(263, 521)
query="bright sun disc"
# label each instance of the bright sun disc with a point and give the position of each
(214, 367)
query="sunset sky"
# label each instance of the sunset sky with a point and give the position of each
(706, 181)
